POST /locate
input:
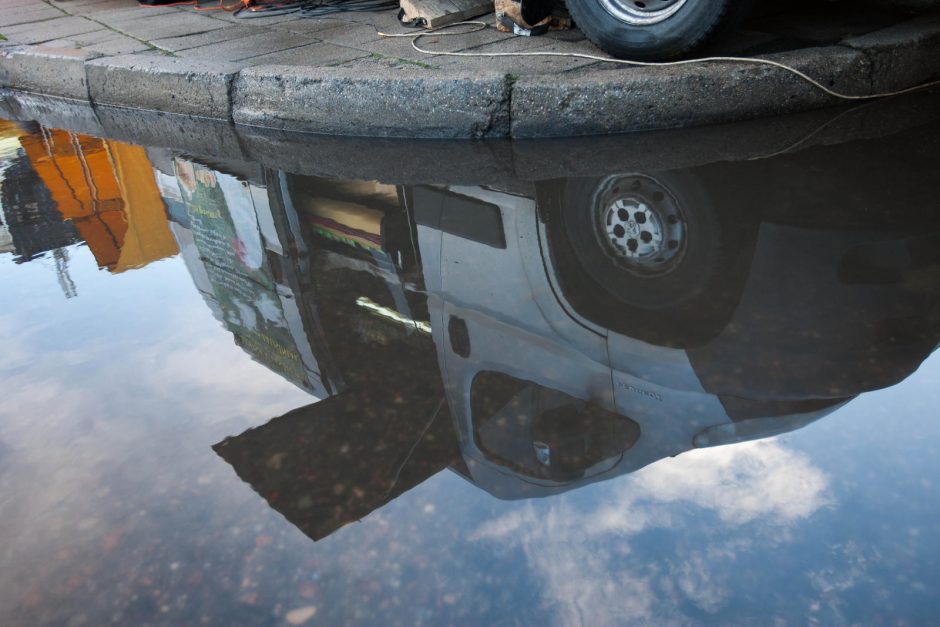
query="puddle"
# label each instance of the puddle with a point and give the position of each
(671, 378)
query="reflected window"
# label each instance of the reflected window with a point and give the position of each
(544, 433)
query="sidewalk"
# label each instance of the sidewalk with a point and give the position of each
(338, 76)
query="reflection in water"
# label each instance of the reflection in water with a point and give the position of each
(629, 343)
(533, 343)
(61, 188)
(531, 339)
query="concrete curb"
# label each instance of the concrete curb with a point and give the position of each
(54, 112)
(902, 55)
(52, 71)
(370, 104)
(428, 162)
(163, 84)
(208, 137)
(501, 163)
(609, 101)
(427, 103)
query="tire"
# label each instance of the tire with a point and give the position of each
(673, 280)
(677, 219)
(652, 30)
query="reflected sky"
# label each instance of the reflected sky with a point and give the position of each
(237, 395)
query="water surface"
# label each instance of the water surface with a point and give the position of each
(243, 392)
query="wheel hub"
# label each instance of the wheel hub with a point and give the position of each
(640, 225)
(642, 12)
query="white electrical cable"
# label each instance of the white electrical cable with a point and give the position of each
(579, 55)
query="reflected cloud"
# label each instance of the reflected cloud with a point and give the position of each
(584, 556)
(740, 483)
(77, 443)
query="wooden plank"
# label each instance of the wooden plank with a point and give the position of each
(442, 12)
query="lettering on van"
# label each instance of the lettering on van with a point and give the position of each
(640, 391)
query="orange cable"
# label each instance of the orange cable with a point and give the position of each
(229, 8)
(175, 4)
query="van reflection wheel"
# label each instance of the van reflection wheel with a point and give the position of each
(640, 224)
(648, 255)
(651, 241)
(653, 29)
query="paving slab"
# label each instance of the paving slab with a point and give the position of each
(118, 46)
(104, 42)
(19, 4)
(162, 26)
(229, 33)
(90, 39)
(469, 40)
(80, 7)
(375, 63)
(313, 25)
(827, 22)
(48, 30)
(319, 54)
(27, 14)
(397, 48)
(225, 16)
(112, 14)
(522, 65)
(384, 21)
(71, 4)
(349, 34)
(246, 47)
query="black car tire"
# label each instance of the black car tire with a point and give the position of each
(692, 25)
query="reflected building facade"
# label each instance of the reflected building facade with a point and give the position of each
(62, 189)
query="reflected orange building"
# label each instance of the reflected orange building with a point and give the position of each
(108, 191)
(148, 237)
